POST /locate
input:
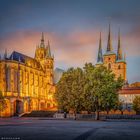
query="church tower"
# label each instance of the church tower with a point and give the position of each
(120, 61)
(114, 62)
(109, 57)
(44, 57)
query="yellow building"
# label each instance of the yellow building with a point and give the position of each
(27, 83)
(115, 62)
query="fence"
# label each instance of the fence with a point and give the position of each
(92, 116)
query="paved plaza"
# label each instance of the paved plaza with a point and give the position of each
(50, 129)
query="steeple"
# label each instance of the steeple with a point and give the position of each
(109, 43)
(119, 51)
(48, 50)
(42, 40)
(100, 56)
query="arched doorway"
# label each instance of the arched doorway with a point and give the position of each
(18, 105)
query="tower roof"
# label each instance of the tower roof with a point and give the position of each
(119, 51)
(100, 56)
(109, 50)
(109, 43)
(48, 50)
(42, 44)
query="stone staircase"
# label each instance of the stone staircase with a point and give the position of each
(48, 114)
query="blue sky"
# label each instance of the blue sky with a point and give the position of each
(73, 27)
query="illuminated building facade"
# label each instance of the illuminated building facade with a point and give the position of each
(115, 62)
(27, 83)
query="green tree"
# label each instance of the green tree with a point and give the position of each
(3, 104)
(69, 93)
(91, 88)
(136, 104)
(101, 89)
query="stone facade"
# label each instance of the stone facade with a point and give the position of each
(27, 83)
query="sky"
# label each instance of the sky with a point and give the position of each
(73, 28)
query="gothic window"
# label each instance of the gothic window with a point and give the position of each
(8, 78)
(109, 58)
(109, 66)
(119, 67)
(15, 80)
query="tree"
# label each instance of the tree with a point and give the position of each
(101, 89)
(69, 93)
(136, 104)
(91, 89)
(3, 104)
(119, 106)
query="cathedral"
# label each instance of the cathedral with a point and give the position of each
(27, 83)
(114, 61)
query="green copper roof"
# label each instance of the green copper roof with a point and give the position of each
(99, 63)
(121, 61)
(109, 53)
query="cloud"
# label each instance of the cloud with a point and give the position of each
(131, 42)
(73, 49)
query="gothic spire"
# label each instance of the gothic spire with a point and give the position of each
(49, 50)
(100, 56)
(42, 40)
(119, 51)
(109, 43)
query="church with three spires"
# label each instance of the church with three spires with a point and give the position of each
(27, 83)
(114, 61)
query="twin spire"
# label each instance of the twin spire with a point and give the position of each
(109, 47)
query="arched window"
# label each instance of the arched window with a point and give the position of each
(119, 67)
(109, 66)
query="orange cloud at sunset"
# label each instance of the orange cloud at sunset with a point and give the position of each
(74, 49)
(71, 50)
